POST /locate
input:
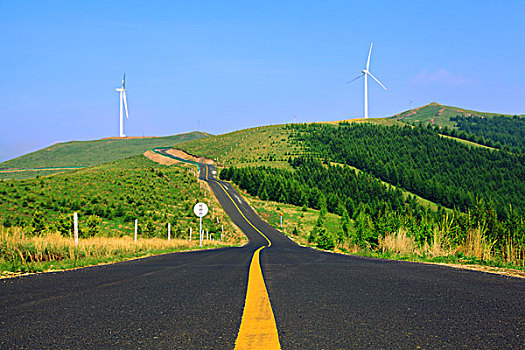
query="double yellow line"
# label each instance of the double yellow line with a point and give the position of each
(258, 329)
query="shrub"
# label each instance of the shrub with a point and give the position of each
(324, 240)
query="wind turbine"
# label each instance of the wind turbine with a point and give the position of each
(123, 101)
(366, 73)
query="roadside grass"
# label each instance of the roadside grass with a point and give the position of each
(295, 219)
(22, 253)
(474, 254)
(263, 145)
(88, 153)
(108, 198)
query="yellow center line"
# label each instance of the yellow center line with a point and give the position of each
(248, 221)
(258, 328)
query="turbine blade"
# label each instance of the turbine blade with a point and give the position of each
(369, 54)
(348, 82)
(377, 80)
(125, 103)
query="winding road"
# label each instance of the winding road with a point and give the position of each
(269, 293)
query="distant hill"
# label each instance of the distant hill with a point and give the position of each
(263, 145)
(437, 114)
(494, 130)
(269, 146)
(88, 153)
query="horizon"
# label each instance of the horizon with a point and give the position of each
(224, 67)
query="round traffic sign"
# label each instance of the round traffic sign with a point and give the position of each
(200, 209)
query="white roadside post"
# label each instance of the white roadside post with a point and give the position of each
(190, 234)
(136, 228)
(169, 231)
(281, 215)
(75, 227)
(222, 231)
(200, 209)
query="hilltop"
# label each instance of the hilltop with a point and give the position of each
(270, 145)
(438, 114)
(489, 129)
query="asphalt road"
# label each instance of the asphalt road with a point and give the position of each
(320, 300)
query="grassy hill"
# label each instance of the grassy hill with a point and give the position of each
(489, 129)
(269, 146)
(435, 113)
(108, 198)
(482, 188)
(263, 145)
(88, 153)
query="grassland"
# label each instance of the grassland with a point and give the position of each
(109, 197)
(376, 121)
(114, 193)
(263, 145)
(88, 153)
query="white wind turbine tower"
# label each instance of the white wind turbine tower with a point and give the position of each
(123, 101)
(366, 73)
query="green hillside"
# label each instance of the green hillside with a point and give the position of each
(108, 198)
(270, 146)
(88, 153)
(260, 146)
(489, 129)
(263, 145)
(435, 113)
(368, 171)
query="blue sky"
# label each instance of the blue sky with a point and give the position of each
(219, 66)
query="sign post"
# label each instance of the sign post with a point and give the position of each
(75, 227)
(200, 209)
(281, 215)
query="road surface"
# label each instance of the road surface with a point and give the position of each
(319, 300)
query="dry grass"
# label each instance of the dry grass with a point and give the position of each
(398, 243)
(23, 253)
(511, 253)
(477, 245)
(402, 243)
